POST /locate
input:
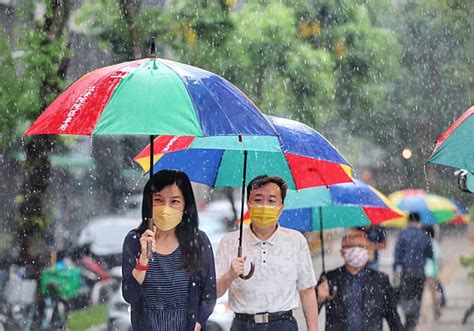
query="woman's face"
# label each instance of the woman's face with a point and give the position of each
(170, 196)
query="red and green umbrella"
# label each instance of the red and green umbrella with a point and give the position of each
(152, 96)
(455, 146)
(432, 208)
(300, 155)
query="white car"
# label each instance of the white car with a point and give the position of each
(105, 235)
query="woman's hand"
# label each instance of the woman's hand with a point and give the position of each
(147, 236)
(197, 327)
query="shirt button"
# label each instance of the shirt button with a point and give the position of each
(264, 261)
(264, 252)
(263, 243)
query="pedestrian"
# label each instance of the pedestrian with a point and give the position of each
(376, 235)
(412, 249)
(283, 266)
(175, 288)
(432, 269)
(357, 297)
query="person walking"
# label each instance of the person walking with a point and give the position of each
(357, 297)
(283, 266)
(412, 249)
(175, 289)
(432, 269)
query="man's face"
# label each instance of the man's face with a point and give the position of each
(355, 240)
(267, 195)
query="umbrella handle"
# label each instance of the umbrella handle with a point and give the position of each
(252, 267)
(149, 253)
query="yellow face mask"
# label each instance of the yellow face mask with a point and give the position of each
(264, 216)
(166, 218)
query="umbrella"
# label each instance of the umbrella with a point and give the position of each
(349, 205)
(300, 155)
(152, 96)
(454, 147)
(463, 214)
(432, 208)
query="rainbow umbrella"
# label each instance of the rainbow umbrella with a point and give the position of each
(341, 206)
(152, 96)
(463, 214)
(300, 155)
(432, 208)
(454, 147)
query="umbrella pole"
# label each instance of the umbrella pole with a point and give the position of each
(321, 238)
(239, 253)
(152, 190)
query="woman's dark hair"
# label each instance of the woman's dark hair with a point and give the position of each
(186, 231)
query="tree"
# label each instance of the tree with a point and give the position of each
(46, 62)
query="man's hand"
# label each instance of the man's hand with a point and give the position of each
(324, 292)
(237, 267)
(197, 327)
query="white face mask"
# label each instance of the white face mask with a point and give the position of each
(356, 257)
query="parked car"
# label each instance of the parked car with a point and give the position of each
(104, 237)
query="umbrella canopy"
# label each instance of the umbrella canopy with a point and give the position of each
(152, 96)
(349, 205)
(433, 209)
(454, 147)
(300, 155)
(463, 214)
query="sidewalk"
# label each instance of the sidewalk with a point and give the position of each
(459, 289)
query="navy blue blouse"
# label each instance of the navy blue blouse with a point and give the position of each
(202, 287)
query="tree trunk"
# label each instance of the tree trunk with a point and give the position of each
(33, 220)
(130, 10)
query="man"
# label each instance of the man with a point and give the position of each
(376, 236)
(283, 266)
(357, 297)
(412, 249)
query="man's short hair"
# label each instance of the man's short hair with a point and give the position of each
(414, 217)
(263, 180)
(355, 237)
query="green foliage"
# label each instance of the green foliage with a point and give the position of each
(8, 93)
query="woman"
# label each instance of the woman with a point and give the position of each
(175, 289)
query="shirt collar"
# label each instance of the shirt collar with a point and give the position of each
(254, 240)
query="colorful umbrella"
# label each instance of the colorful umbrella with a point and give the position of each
(433, 209)
(454, 147)
(463, 214)
(349, 205)
(152, 96)
(301, 156)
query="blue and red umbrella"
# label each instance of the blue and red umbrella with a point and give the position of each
(300, 155)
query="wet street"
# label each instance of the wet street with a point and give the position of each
(458, 287)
